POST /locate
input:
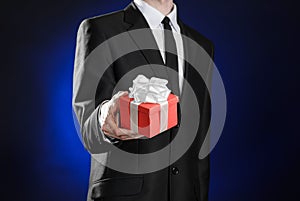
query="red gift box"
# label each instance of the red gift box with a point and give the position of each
(148, 119)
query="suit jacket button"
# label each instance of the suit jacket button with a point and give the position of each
(175, 170)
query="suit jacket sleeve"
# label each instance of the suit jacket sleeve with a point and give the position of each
(85, 104)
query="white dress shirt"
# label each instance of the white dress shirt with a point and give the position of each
(154, 19)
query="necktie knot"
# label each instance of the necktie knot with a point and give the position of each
(166, 23)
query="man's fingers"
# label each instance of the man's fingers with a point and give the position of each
(130, 133)
(107, 130)
(108, 125)
(121, 137)
(123, 134)
(125, 137)
(108, 133)
(121, 93)
(112, 127)
(115, 106)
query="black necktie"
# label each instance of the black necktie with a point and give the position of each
(171, 59)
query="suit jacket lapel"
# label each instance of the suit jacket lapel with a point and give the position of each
(185, 35)
(135, 20)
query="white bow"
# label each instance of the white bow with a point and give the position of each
(151, 91)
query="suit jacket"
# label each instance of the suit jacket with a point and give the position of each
(188, 177)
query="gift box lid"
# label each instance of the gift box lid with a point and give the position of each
(151, 108)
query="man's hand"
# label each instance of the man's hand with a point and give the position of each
(109, 120)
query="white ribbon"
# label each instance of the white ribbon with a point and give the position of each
(164, 116)
(150, 91)
(134, 116)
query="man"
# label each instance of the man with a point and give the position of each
(188, 178)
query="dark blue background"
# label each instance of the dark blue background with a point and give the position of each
(256, 52)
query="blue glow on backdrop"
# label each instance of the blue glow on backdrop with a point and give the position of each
(252, 41)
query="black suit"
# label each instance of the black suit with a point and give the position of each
(185, 180)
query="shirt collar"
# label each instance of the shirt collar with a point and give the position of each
(154, 17)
